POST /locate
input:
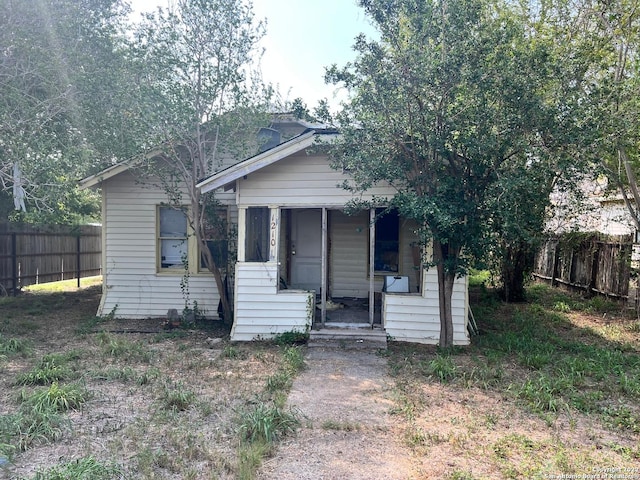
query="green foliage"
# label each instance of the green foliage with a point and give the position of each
(266, 423)
(177, 397)
(45, 373)
(294, 359)
(442, 367)
(65, 101)
(437, 110)
(10, 346)
(292, 337)
(478, 277)
(120, 347)
(58, 398)
(28, 427)
(86, 468)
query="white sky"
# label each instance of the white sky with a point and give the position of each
(303, 37)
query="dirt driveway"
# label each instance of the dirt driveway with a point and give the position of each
(349, 431)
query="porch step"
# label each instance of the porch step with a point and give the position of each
(348, 338)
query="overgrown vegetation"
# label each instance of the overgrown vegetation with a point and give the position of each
(561, 358)
(166, 402)
(268, 419)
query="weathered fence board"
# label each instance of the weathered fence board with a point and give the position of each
(594, 264)
(39, 254)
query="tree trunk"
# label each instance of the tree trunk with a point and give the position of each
(446, 279)
(516, 261)
(227, 311)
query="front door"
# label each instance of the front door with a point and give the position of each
(306, 249)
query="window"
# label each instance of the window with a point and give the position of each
(173, 239)
(257, 241)
(387, 242)
(177, 243)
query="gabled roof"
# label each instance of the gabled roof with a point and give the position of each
(296, 144)
(116, 169)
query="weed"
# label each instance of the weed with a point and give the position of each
(87, 468)
(623, 418)
(294, 359)
(58, 398)
(177, 398)
(51, 368)
(267, 423)
(562, 307)
(544, 394)
(231, 351)
(443, 368)
(250, 457)
(123, 348)
(11, 346)
(460, 475)
(148, 376)
(281, 380)
(124, 374)
(27, 427)
(293, 337)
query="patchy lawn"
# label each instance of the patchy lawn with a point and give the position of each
(82, 397)
(550, 387)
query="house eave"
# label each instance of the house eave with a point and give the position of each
(230, 175)
(110, 172)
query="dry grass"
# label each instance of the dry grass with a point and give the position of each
(157, 405)
(551, 387)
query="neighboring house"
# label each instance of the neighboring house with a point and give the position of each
(597, 210)
(299, 255)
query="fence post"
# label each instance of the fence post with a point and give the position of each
(79, 270)
(14, 263)
(556, 258)
(595, 261)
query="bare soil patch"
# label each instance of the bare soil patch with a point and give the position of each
(346, 399)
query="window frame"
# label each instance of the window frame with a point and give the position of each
(176, 268)
(398, 271)
(194, 256)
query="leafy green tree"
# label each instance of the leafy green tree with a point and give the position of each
(202, 102)
(61, 109)
(450, 96)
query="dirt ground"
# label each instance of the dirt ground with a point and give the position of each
(346, 399)
(365, 414)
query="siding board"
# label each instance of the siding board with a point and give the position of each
(261, 311)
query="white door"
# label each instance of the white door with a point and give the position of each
(306, 249)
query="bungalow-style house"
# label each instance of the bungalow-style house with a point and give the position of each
(302, 261)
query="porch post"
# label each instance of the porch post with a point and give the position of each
(242, 233)
(323, 283)
(372, 248)
(274, 234)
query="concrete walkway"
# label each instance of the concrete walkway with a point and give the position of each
(349, 432)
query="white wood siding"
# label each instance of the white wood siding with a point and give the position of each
(261, 311)
(416, 318)
(132, 288)
(299, 180)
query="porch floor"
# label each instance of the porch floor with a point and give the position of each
(354, 312)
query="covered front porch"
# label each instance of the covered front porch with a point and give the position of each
(303, 268)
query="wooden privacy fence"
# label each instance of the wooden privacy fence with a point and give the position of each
(593, 263)
(39, 254)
